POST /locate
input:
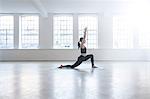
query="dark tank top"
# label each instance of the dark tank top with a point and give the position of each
(83, 50)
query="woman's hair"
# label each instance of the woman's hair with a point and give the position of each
(81, 38)
(79, 45)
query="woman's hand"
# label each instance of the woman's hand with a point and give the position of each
(85, 29)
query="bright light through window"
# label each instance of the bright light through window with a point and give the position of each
(131, 32)
(63, 31)
(6, 32)
(29, 32)
(122, 32)
(144, 32)
(140, 20)
(91, 22)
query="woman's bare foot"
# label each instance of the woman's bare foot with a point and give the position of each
(94, 67)
(61, 66)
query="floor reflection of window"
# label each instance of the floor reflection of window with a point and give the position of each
(6, 81)
(63, 85)
(30, 82)
(123, 81)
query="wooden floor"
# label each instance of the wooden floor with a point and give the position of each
(42, 80)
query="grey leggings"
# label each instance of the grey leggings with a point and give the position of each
(80, 59)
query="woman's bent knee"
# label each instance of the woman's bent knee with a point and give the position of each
(91, 55)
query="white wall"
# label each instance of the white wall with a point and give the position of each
(50, 54)
(105, 10)
(105, 51)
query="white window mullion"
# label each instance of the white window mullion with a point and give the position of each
(75, 31)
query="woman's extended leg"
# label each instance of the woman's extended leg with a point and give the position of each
(77, 63)
(65, 66)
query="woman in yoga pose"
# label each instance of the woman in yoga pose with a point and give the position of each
(83, 56)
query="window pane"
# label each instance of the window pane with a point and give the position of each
(29, 32)
(6, 32)
(144, 32)
(91, 22)
(122, 32)
(63, 31)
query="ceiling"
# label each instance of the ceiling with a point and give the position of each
(73, 6)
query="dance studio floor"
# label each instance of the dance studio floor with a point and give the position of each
(42, 80)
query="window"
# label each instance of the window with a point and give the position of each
(122, 32)
(29, 32)
(6, 32)
(63, 31)
(91, 22)
(144, 32)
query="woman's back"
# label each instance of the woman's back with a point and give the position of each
(83, 50)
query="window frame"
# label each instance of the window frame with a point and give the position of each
(63, 14)
(19, 28)
(13, 46)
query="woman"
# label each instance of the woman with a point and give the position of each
(83, 56)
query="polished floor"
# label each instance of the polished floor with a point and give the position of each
(42, 80)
